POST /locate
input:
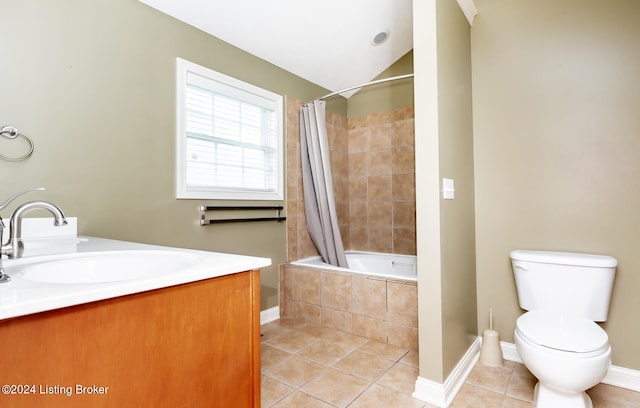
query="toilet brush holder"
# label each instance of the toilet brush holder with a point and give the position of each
(491, 353)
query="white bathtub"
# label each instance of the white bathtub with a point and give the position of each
(390, 266)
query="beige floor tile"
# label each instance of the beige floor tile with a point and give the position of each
(383, 350)
(325, 352)
(272, 391)
(336, 387)
(608, 396)
(401, 378)
(515, 403)
(411, 358)
(522, 383)
(295, 371)
(471, 397)
(363, 365)
(291, 341)
(315, 330)
(274, 329)
(305, 380)
(377, 396)
(299, 400)
(345, 339)
(270, 356)
(492, 378)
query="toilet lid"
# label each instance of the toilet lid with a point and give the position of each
(560, 332)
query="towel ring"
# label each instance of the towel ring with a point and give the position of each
(9, 132)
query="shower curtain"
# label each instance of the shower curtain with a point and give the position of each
(317, 182)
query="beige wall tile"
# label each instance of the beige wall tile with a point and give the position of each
(359, 237)
(358, 140)
(305, 245)
(404, 187)
(380, 214)
(379, 188)
(403, 133)
(286, 282)
(358, 213)
(402, 304)
(307, 286)
(287, 308)
(358, 188)
(336, 291)
(381, 240)
(358, 122)
(404, 214)
(380, 136)
(369, 297)
(404, 241)
(403, 160)
(337, 319)
(380, 162)
(402, 336)
(358, 164)
(374, 329)
(307, 313)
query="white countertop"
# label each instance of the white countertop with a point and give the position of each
(21, 297)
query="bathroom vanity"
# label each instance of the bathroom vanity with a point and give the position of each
(187, 341)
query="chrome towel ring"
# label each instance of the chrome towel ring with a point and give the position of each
(9, 132)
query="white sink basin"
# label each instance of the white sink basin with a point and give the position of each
(102, 267)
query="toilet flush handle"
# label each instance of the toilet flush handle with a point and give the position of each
(521, 267)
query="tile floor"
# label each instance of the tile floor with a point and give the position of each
(307, 366)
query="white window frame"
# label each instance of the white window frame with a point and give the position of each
(237, 89)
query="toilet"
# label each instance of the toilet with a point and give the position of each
(557, 338)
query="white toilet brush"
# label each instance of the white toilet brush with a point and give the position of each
(491, 353)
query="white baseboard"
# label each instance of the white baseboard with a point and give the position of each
(269, 315)
(617, 376)
(441, 395)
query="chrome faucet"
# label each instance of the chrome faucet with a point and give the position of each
(14, 246)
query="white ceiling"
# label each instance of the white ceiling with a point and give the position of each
(327, 42)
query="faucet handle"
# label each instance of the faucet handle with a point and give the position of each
(13, 197)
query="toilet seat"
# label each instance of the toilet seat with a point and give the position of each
(574, 336)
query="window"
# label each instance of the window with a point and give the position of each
(229, 137)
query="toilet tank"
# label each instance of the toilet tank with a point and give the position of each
(576, 284)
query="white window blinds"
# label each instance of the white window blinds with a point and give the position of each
(230, 137)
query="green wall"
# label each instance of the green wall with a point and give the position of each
(556, 96)
(385, 96)
(93, 83)
(444, 149)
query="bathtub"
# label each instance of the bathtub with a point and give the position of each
(390, 266)
(376, 297)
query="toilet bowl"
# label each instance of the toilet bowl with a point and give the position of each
(568, 355)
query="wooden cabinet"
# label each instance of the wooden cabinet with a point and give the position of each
(192, 345)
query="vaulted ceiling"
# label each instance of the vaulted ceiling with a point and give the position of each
(327, 42)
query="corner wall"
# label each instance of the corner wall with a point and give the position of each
(444, 149)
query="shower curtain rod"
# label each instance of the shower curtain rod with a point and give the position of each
(378, 81)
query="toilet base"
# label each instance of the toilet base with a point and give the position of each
(545, 397)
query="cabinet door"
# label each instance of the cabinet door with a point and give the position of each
(192, 345)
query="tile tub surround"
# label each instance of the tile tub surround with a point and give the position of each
(304, 365)
(384, 310)
(372, 160)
